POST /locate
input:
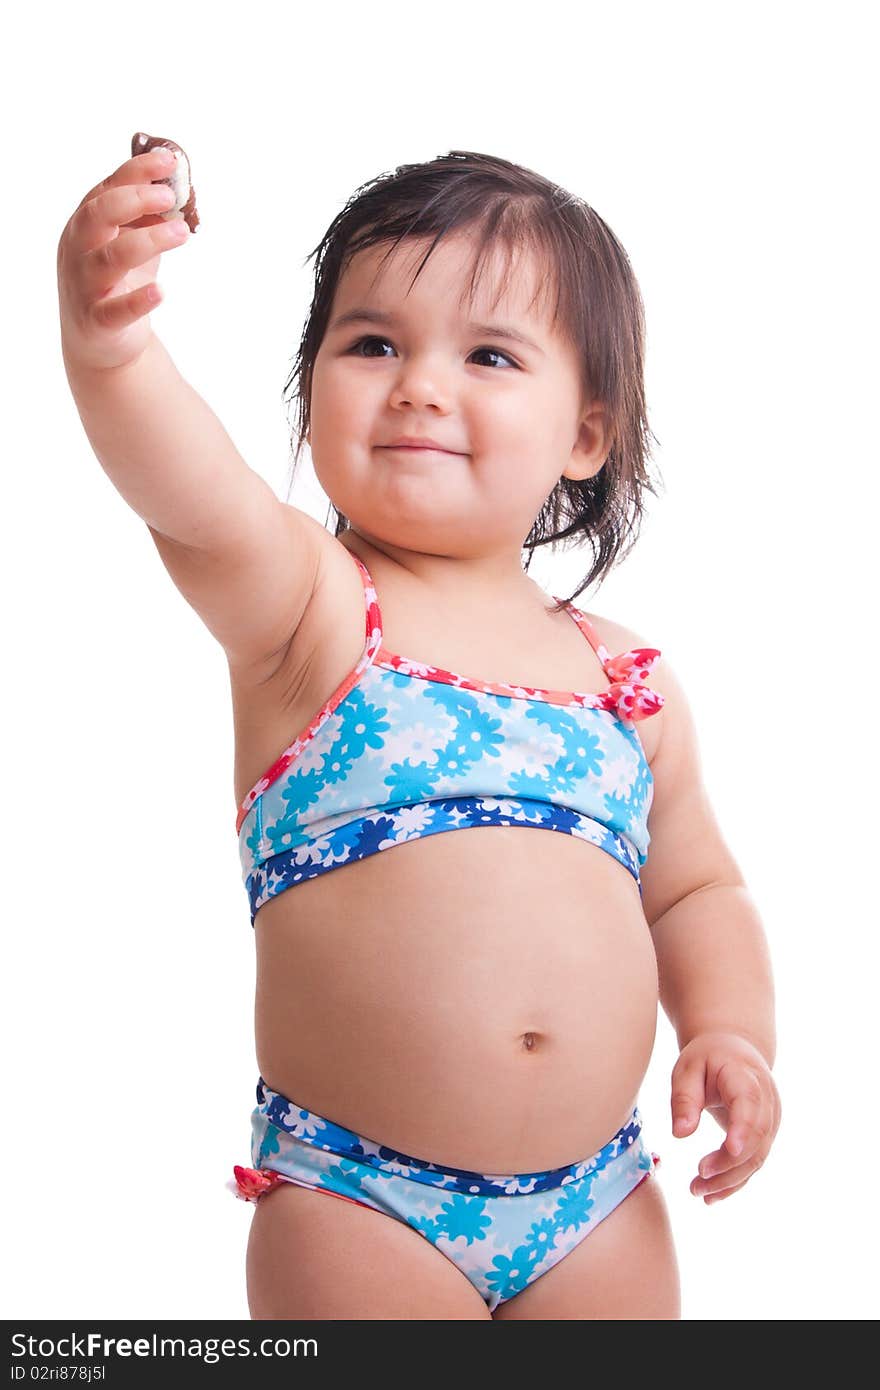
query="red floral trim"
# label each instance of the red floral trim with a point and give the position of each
(253, 1183)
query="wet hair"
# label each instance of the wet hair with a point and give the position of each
(598, 308)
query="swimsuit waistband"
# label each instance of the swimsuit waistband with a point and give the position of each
(276, 1116)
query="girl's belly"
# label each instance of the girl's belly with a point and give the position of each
(484, 999)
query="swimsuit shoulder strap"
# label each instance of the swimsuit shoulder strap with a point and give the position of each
(588, 630)
(372, 611)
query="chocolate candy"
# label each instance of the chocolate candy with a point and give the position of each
(178, 181)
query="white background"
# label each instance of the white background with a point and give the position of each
(731, 151)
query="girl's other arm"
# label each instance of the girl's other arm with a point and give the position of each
(712, 954)
(716, 983)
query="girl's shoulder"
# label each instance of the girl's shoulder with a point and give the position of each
(620, 640)
(688, 850)
(616, 637)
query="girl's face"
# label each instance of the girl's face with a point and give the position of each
(510, 413)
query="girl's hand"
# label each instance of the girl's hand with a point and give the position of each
(726, 1075)
(108, 257)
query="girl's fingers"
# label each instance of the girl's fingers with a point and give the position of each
(124, 309)
(139, 169)
(731, 1178)
(737, 1148)
(107, 259)
(99, 220)
(109, 263)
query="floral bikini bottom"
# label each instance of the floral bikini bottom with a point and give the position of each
(501, 1230)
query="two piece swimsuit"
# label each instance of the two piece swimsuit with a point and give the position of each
(401, 750)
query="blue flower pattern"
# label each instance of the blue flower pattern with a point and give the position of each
(396, 754)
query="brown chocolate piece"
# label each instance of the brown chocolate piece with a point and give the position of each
(179, 182)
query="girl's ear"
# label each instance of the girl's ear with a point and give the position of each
(592, 446)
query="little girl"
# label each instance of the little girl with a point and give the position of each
(451, 1028)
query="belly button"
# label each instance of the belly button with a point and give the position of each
(530, 1041)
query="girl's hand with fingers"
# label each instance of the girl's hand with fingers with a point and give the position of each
(108, 259)
(726, 1075)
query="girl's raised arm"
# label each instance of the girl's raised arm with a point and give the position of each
(243, 559)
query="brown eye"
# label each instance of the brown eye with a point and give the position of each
(360, 342)
(494, 352)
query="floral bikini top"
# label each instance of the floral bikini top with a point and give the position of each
(402, 750)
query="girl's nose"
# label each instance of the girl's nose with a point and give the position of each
(421, 384)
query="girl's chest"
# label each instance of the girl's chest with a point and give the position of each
(522, 647)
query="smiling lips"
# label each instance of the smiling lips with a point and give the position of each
(408, 441)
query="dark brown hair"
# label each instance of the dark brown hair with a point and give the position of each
(597, 302)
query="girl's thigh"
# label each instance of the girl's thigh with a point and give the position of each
(311, 1255)
(625, 1268)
